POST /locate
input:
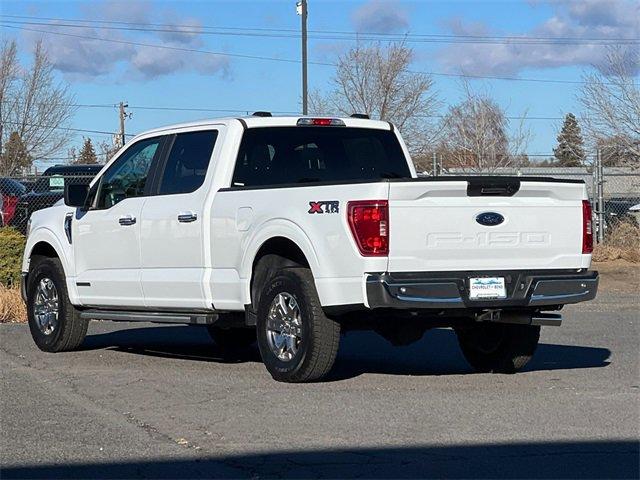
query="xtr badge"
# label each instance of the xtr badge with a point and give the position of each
(331, 206)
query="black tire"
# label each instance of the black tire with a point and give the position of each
(319, 336)
(231, 339)
(70, 331)
(498, 348)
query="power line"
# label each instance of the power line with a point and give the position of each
(166, 47)
(288, 60)
(284, 112)
(85, 105)
(247, 111)
(70, 129)
(278, 112)
(321, 34)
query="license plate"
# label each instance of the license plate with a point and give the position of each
(487, 288)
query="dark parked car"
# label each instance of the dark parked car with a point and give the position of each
(616, 210)
(10, 191)
(49, 188)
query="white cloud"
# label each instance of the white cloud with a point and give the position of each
(88, 58)
(152, 62)
(380, 16)
(582, 19)
(81, 57)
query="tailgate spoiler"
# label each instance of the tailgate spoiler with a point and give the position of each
(490, 185)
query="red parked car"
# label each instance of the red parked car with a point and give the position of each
(10, 191)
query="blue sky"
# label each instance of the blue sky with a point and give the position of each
(102, 72)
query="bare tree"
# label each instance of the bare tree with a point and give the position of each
(9, 71)
(375, 80)
(33, 103)
(106, 151)
(611, 102)
(476, 135)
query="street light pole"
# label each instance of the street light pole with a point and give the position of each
(302, 11)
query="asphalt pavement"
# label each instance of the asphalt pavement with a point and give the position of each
(149, 401)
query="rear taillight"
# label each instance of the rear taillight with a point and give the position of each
(369, 222)
(587, 227)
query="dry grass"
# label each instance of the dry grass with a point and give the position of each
(622, 242)
(12, 309)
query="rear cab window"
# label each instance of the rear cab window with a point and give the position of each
(301, 155)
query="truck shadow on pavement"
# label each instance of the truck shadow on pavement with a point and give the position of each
(437, 353)
(567, 459)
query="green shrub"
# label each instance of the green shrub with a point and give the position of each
(11, 248)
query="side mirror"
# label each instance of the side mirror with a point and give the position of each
(75, 195)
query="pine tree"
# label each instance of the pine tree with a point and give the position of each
(570, 149)
(15, 158)
(88, 154)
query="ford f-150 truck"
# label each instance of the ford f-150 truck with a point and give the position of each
(287, 231)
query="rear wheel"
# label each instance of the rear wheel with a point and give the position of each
(55, 324)
(297, 341)
(497, 347)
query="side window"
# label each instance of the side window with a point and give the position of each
(127, 177)
(254, 164)
(187, 162)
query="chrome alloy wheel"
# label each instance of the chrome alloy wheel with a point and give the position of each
(284, 326)
(46, 307)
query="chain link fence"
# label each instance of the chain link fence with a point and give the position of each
(23, 195)
(614, 194)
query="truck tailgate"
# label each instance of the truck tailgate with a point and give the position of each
(435, 225)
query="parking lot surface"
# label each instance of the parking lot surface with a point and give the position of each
(148, 401)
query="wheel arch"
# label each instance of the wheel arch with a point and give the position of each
(288, 254)
(44, 249)
(43, 242)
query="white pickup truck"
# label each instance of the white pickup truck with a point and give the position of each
(290, 230)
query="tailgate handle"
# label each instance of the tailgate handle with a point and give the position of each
(492, 187)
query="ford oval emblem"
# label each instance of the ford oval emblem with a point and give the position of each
(489, 219)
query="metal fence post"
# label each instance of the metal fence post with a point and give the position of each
(600, 192)
(594, 182)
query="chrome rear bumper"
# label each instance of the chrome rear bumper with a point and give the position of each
(450, 290)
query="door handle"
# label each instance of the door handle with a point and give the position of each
(187, 217)
(127, 220)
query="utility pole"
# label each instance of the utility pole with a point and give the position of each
(123, 116)
(301, 9)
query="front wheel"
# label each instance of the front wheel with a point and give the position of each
(55, 324)
(297, 341)
(498, 347)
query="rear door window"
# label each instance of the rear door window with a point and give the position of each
(187, 162)
(290, 155)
